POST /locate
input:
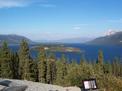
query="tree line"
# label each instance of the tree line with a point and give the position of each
(46, 68)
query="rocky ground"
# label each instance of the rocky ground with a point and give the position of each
(7, 85)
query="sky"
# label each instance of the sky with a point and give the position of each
(60, 19)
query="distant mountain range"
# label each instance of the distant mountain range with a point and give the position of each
(75, 40)
(111, 39)
(69, 40)
(13, 39)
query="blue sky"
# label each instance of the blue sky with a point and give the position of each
(59, 19)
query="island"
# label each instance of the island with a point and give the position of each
(56, 48)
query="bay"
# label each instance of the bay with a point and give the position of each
(90, 52)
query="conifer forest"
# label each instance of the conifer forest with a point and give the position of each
(46, 68)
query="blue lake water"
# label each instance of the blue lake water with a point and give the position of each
(90, 52)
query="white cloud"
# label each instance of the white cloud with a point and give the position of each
(47, 5)
(22, 3)
(51, 36)
(79, 26)
(12, 3)
(83, 24)
(115, 21)
(76, 27)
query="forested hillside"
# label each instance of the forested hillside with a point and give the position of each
(13, 39)
(113, 39)
(46, 68)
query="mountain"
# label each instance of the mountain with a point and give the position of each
(69, 40)
(74, 40)
(13, 39)
(111, 39)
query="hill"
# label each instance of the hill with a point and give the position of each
(113, 39)
(67, 40)
(75, 40)
(13, 39)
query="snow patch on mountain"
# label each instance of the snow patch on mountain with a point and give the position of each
(110, 32)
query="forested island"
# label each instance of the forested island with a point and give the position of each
(56, 48)
(50, 70)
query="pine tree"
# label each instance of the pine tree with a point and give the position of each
(26, 71)
(51, 69)
(121, 70)
(6, 71)
(0, 61)
(100, 57)
(82, 60)
(59, 73)
(24, 54)
(29, 70)
(34, 68)
(76, 73)
(15, 65)
(61, 67)
(64, 65)
(42, 66)
(116, 65)
(48, 72)
(107, 68)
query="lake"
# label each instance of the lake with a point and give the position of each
(90, 52)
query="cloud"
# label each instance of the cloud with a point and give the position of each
(47, 36)
(23, 3)
(115, 21)
(78, 26)
(83, 24)
(12, 3)
(48, 5)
